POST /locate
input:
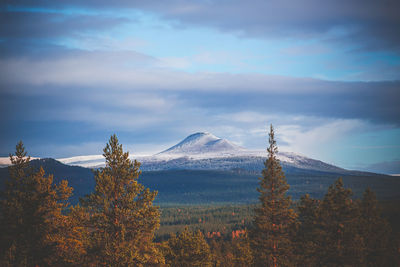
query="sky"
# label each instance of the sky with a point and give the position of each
(326, 74)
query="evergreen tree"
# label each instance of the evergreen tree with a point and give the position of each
(31, 209)
(338, 239)
(122, 216)
(274, 220)
(241, 250)
(306, 246)
(188, 249)
(70, 238)
(375, 232)
(221, 251)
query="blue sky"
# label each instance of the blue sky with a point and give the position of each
(325, 74)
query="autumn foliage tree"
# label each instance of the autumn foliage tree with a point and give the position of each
(271, 235)
(376, 232)
(116, 224)
(32, 216)
(337, 222)
(307, 246)
(122, 218)
(187, 249)
(70, 238)
(241, 251)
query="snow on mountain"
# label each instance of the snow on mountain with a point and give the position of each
(5, 161)
(206, 151)
(90, 161)
(201, 145)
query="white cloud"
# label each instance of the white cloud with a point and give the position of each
(317, 137)
(248, 117)
(174, 63)
(135, 100)
(135, 71)
(312, 140)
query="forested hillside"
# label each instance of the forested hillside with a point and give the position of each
(204, 187)
(119, 223)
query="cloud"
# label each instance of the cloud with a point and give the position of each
(132, 100)
(52, 93)
(127, 79)
(373, 24)
(310, 135)
(132, 69)
(296, 137)
(247, 117)
(61, 150)
(29, 25)
(368, 25)
(388, 167)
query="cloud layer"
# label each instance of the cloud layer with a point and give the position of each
(74, 72)
(367, 24)
(133, 80)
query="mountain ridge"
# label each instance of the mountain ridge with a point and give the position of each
(205, 151)
(200, 143)
(217, 186)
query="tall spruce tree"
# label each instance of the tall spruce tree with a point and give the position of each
(375, 232)
(306, 241)
(271, 235)
(187, 249)
(122, 216)
(31, 210)
(241, 250)
(69, 238)
(338, 237)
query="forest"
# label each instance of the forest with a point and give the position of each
(118, 223)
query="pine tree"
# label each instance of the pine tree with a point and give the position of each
(274, 220)
(241, 250)
(122, 216)
(307, 231)
(31, 208)
(221, 252)
(12, 209)
(339, 241)
(375, 232)
(70, 238)
(188, 249)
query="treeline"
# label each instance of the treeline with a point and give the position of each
(115, 225)
(221, 220)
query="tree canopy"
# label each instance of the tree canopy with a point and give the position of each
(121, 213)
(274, 219)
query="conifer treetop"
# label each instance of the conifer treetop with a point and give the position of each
(122, 213)
(20, 155)
(274, 218)
(273, 148)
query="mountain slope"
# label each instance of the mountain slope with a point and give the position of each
(81, 179)
(202, 143)
(219, 186)
(205, 151)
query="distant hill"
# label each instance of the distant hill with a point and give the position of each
(221, 186)
(81, 179)
(205, 151)
(202, 143)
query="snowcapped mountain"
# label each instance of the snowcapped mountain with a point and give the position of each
(205, 151)
(202, 143)
(5, 161)
(90, 161)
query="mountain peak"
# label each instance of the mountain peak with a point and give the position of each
(201, 143)
(200, 135)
